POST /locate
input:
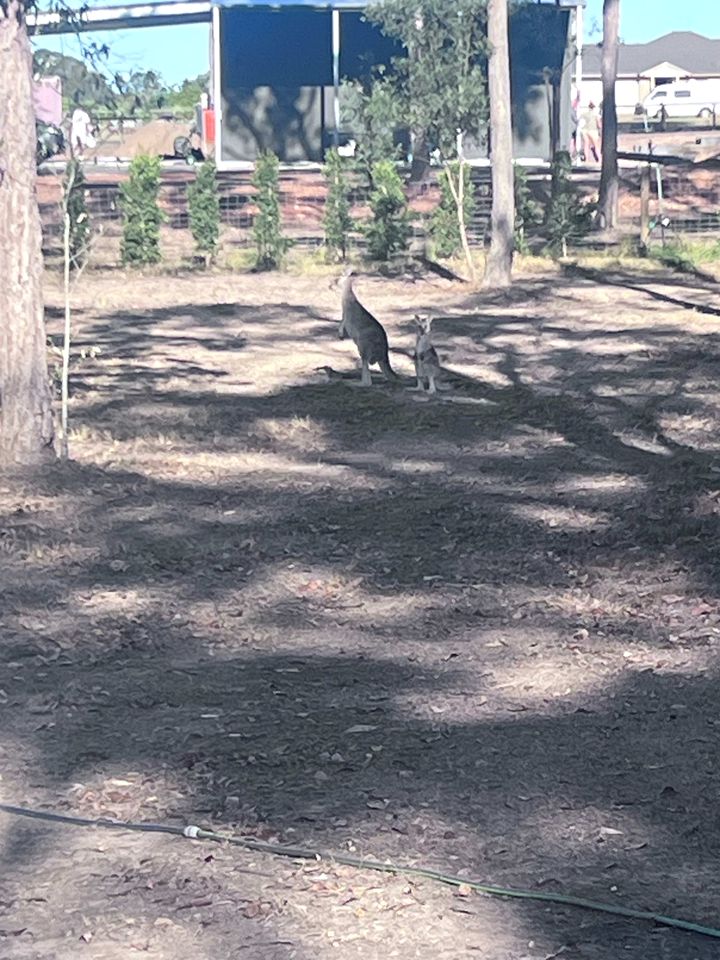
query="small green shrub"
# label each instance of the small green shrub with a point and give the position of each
(568, 217)
(337, 219)
(444, 226)
(270, 244)
(75, 209)
(204, 210)
(528, 212)
(388, 232)
(142, 216)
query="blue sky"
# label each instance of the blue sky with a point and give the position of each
(179, 52)
(643, 20)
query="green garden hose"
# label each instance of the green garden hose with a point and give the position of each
(301, 853)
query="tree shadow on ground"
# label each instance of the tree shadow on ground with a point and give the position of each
(619, 278)
(482, 635)
(608, 790)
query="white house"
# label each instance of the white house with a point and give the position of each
(681, 55)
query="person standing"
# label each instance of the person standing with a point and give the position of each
(575, 145)
(590, 129)
(81, 132)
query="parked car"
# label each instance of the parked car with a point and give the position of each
(684, 99)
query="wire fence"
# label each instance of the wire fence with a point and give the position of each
(302, 198)
(303, 194)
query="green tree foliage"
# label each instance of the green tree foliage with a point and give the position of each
(142, 216)
(568, 217)
(141, 93)
(388, 231)
(204, 210)
(183, 100)
(80, 82)
(373, 111)
(337, 219)
(444, 223)
(270, 244)
(440, 82)
(75, 209)
(527, 210)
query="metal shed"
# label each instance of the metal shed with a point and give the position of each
(277, 66)
(277, 69)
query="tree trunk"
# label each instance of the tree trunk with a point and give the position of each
(26, 420)
(498, 266)
(608, 199)
(64, 443)
(420, 167)
(556, 104)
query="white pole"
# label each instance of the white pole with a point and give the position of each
(216, 69)
(336, 73)
(579, 48)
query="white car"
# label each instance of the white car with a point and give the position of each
(697, 99)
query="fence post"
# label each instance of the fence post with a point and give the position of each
(644, 205)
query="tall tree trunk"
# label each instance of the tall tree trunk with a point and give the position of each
(608, 199)
(420, 166)
(498, 266)
(26, 420)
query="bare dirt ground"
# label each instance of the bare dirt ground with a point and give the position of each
(479, 632)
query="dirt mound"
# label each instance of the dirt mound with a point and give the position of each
(154, 138)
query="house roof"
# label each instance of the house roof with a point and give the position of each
(690, 51)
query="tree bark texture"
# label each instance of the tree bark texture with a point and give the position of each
(608, 199)
(498, 266)
(26, 419)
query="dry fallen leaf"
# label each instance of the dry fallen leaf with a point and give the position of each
(257, 908)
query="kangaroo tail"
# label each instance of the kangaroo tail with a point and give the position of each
(387, 370)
